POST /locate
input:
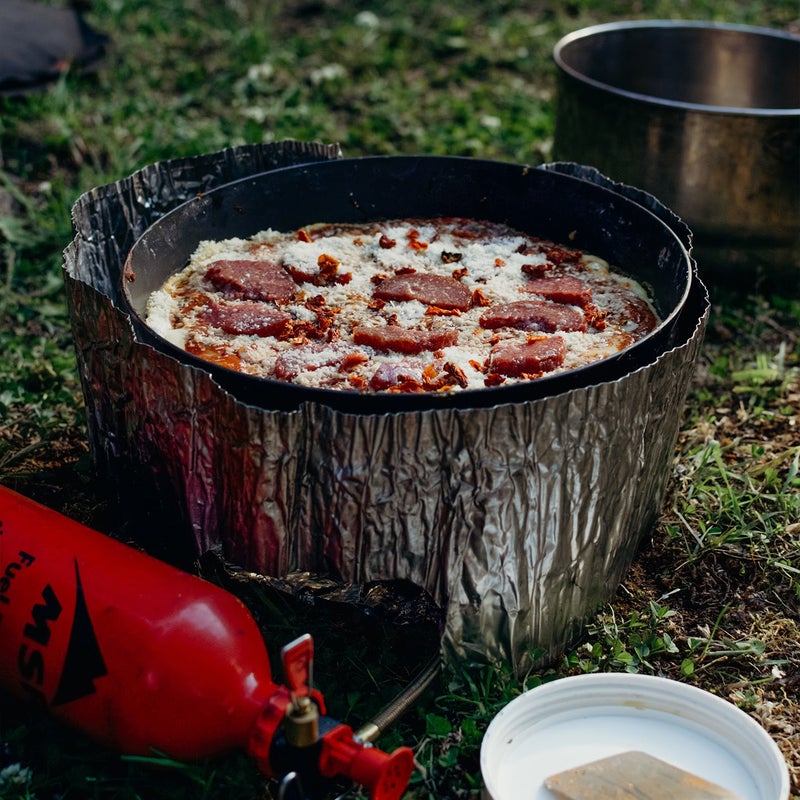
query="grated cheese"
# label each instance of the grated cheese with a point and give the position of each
(492, 264)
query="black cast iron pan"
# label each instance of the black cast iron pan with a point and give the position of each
(551, 205)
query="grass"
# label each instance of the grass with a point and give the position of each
(713, 596)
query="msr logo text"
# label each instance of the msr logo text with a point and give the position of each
(30, 658)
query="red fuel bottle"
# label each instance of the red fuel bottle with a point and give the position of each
(146, 658)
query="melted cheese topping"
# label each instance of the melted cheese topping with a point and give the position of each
(316, 348)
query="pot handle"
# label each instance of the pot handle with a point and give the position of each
(648, 201)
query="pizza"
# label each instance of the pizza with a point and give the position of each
(406, 305)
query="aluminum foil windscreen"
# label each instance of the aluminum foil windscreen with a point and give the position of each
(518, 520)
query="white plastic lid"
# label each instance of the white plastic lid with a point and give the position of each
(572, 721)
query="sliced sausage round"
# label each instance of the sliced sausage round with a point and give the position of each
(247, 318)
(442, 291)
(534, 315)
(561, 289)
(251, 280)
(403, 340)
(515, 359)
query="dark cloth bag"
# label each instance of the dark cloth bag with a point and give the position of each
(39, 43)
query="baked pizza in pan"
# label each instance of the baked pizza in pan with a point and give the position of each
(407, 305)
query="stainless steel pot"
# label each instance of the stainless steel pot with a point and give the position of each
(705, 116)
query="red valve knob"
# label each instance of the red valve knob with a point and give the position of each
(298, 657)
(385, 775)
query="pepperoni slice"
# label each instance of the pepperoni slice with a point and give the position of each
(442, 291)
(515, 359)
(403, 340)
(534, 315)
(247, 318)
(251, 280)
(561, 289)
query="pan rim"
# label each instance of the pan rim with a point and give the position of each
(365, 403)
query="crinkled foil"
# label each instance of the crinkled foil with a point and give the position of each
(519, 520)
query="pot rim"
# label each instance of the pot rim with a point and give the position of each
(593, 30)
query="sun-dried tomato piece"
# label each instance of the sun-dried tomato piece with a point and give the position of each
(479, 299)
(217, 354)
(414, 241)
(353, 360)
(457, 373)
(358, 382)
(536, 270)
(319, 278)
(563, 255)
(328, 265)
(435, 311)
(595, 316)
